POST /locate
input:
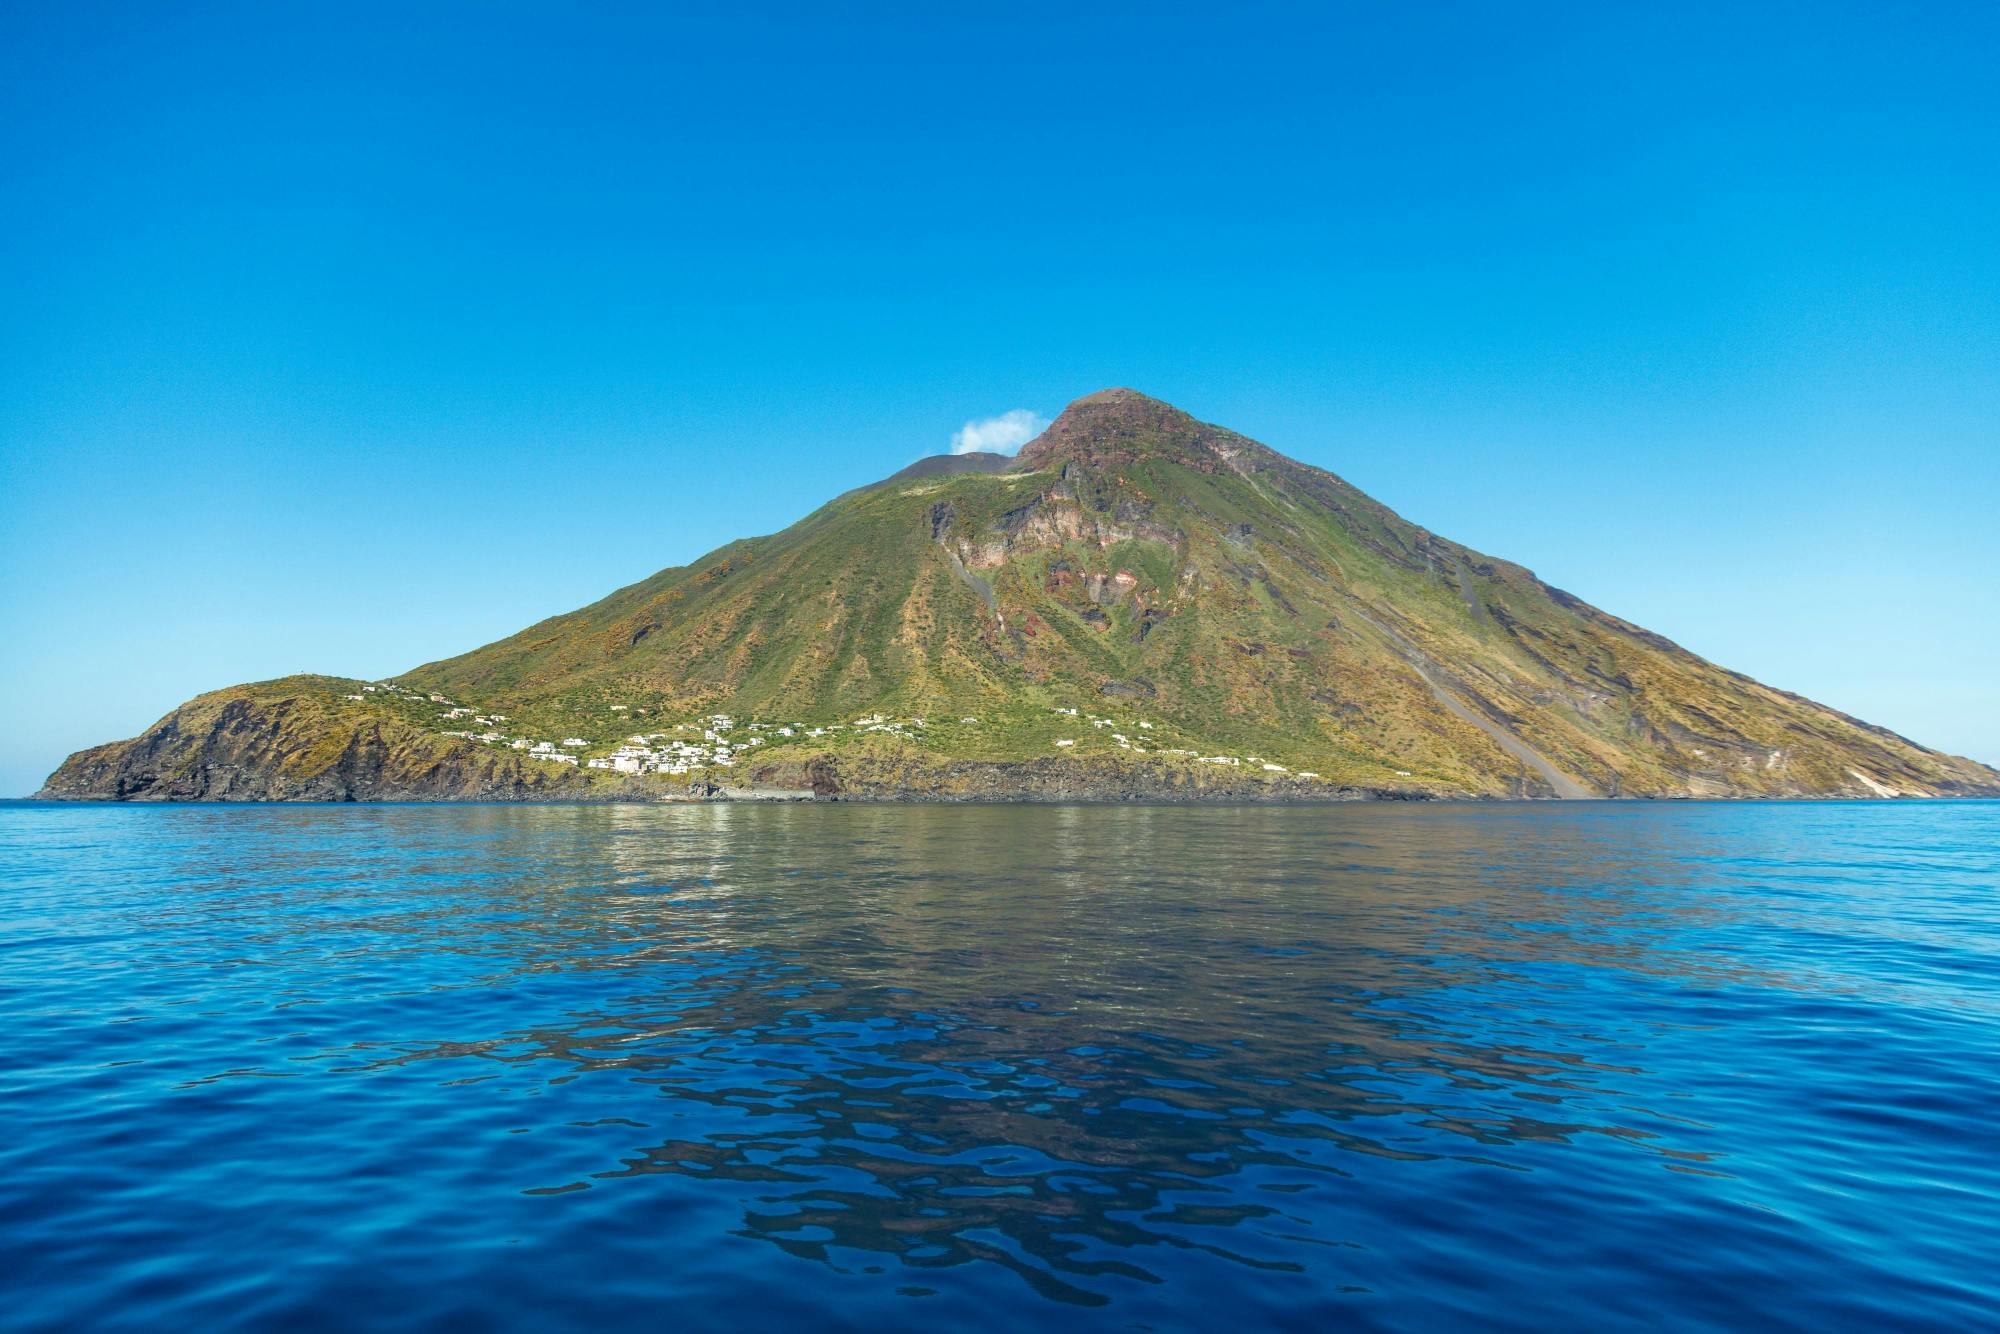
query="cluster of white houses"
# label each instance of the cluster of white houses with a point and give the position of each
(665, 753)
(717, 742)
(553, 752)
(708, 743)
(673, 752)
(1124, 742)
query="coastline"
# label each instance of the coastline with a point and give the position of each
(791, 796)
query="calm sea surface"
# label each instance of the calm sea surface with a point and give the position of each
(742, 1067)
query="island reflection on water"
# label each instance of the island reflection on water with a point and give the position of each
(894, 1065)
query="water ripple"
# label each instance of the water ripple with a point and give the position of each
(767, 1067)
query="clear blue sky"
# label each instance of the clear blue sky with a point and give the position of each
(341, 337)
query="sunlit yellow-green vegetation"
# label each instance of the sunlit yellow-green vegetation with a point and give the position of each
(1134, 566)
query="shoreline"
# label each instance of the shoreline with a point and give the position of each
(805, 798)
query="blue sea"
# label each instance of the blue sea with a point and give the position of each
(748, 1067)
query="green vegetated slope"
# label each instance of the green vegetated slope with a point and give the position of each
(1222, 620)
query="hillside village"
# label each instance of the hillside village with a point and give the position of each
(720, 741)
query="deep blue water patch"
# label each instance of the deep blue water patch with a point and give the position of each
(753, 1067)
